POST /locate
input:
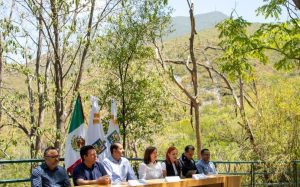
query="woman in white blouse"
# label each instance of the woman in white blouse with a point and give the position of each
(150, 168)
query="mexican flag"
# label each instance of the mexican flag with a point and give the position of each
(76, 137)
(113, 133)
(95, 133)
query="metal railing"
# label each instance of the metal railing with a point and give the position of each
(249, 170)
(258, 175)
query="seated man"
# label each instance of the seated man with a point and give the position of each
(204, 166)
(89, 171)
(50, 173)
(118, 167)
(186, 162)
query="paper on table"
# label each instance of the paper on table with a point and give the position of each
(199, 176)
(173, 179)
(140, 182)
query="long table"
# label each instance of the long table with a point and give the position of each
(211, 181)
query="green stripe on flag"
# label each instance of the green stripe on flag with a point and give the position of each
(77, 116)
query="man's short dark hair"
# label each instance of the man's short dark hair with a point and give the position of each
(48, 149)
(113, 147)
(84, 150)
(188, 148)
(203, 150)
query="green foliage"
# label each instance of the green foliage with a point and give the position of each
(239, 48)
(118, 68)
(278, 125)
(283, 38)
(272, 8)
(134, 84)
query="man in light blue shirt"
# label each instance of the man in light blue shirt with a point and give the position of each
(118, 167)
(205, 166)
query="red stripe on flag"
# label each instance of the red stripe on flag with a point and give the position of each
(70, 169)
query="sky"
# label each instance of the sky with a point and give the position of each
(244, 8)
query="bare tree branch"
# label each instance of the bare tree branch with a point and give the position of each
(15, 120)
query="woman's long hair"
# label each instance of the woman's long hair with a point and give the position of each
(170, 149)
(147, 155)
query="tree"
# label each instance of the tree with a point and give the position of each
(192, 95)
(6, 28)
(281, 38)
(238, 51)
(133, 84)
(52, 47)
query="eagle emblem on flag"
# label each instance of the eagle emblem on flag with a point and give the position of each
(77, 142)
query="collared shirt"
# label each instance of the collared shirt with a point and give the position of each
(118, 170)
(150, 171)
(206, 168)
(42, 176)
(188, 166)
(81, 171)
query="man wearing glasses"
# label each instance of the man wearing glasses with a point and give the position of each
(50, 173)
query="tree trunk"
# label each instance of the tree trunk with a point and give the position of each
(297, 3)
(246, 123)
(86, 47)
(1, 74)
(123, 119)
(41, 92)
(32, 119)
(124, 139)
(198, 130)
(124, 123)
(58, 77)
(194, 74)
(31, 111)
(134, 149)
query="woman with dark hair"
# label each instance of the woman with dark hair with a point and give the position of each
(171, 166)
(150, 168)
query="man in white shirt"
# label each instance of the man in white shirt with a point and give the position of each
(118, 167)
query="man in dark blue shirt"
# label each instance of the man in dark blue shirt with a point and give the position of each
(50, 174)
(89, 171)
(187, 163)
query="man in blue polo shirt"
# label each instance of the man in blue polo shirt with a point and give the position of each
(89, 171)
(49, 173)
(205, 166)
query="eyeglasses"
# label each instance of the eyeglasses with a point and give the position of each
(54, 156)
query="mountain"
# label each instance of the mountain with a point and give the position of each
(181, 24)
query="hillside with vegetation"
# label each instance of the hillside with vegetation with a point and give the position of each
(241, 78)
(220, 126)
(180, 24)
